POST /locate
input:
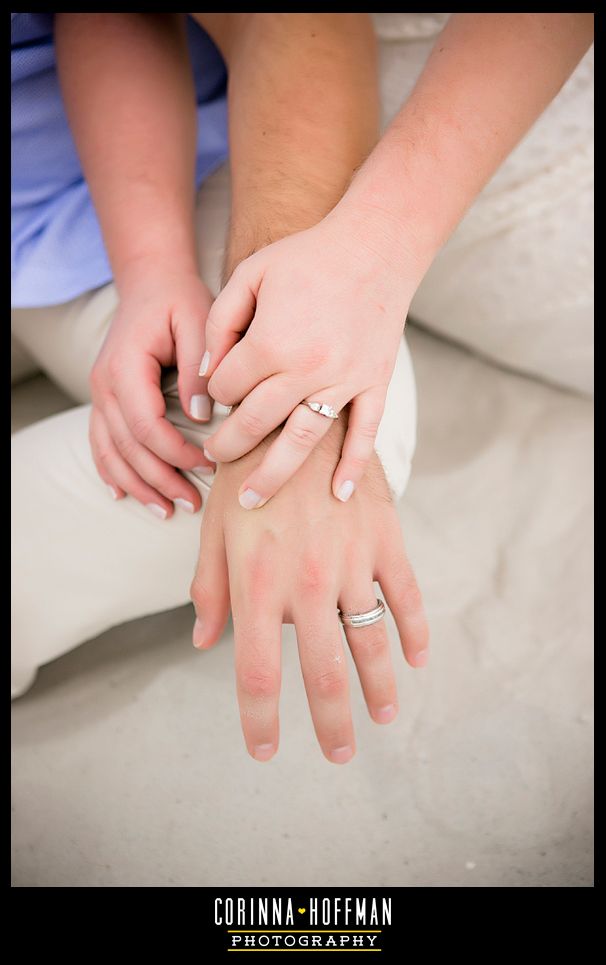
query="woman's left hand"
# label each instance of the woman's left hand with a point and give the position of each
(323, 315)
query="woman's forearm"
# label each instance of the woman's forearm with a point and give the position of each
(488, 78)
(134, 127)
(303, 115)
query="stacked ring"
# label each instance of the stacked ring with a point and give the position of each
(363, 619)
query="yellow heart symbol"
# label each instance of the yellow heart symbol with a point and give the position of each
(301, 910)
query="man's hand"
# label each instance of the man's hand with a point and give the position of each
(159, 323)
(295, 561)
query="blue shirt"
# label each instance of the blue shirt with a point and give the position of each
(57, 251)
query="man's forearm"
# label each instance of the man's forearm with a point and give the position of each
(303, 115)
(488, 78)
(128, 90)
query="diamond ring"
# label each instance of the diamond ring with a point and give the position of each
(322, 408)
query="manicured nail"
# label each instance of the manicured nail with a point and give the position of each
(158, 511)
(204, 364)
(249, 499)
(384, 715)
(198, 633)
(420, 658)
(263, 752)
(184, 504)
(345, 490)
(208, 455)
(341, 755)
(199, 407)
(114, 492)
(204, 470)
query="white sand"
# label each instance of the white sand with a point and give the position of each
(129, 768)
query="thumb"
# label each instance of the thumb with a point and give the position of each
(231, 314)
(193, 389)
(210, 586)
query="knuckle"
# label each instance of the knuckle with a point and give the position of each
(255, 682)
(314, 356)
(259, 573)
(115, 367)
(408, 593)
(368, 430)
(329, 683)
(252, 423)
(357, 462)
(302, 436)
(371, 646)
(213, 321)
(127, 447)
(264, 347)
(141, 428)
(96, 380)
(314, 576)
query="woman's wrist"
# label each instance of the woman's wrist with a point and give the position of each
(146, 270)
(399, 236)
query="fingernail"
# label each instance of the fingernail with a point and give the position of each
(204, 470)
(420, 658)
(113, 491)
(204, 364)
(208, 455)
(345, 490)
(158, 511)
(184, 504)
(340, 755)
(199, 407)
(198, 637)
(262, 752)
(249, 499)
(384, 715)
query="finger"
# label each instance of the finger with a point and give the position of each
(209, 590)
(370, 649)
(110, 464)
(239, 372)
(325, 675)
(302, 432)
(154, 471)
(267, 406)
(358, 446)
(231, 313)
(257, 617)
(403, 597)
(116, 491)
(144, 408)
(193, 388)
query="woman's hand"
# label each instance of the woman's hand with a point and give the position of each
(322, 315)
(159, 322)
(295, 561)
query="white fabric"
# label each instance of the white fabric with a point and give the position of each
(129, 766)
(515, 281)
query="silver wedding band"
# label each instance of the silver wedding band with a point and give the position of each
(322, 408)
(363, 619)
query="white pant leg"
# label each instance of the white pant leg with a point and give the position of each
(82, 562)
